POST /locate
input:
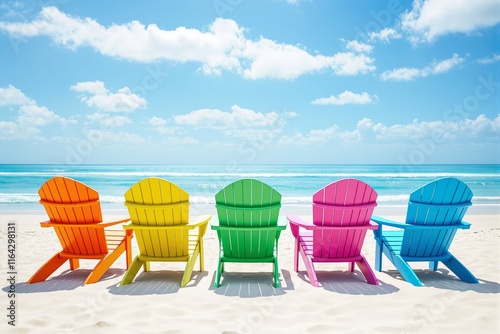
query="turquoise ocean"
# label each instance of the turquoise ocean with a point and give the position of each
(19, 183)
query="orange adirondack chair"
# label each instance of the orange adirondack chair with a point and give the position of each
(75, 214)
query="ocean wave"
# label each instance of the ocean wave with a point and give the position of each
(13, 198)
(381, 175)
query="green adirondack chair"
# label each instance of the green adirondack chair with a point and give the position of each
(248, 229)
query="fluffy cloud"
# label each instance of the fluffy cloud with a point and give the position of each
(489, 60)
(430, 19)
(384, 35)
(112, 137)
(359, 47)
(30, 117)
(160, 125)
(368, 131)
(347, 97)
(157, 121)
(102, 99)
(35, 116)
(11, 96)
(436, 67)
(222, 47)
(236, 119)
(8, 130)
(109, 121)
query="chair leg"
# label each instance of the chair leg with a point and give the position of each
(220, 268)
(202, 255)
(460, 270)
(406, 271)
(47, 269)
(367, 271)
(188, 271)
(132, 271)
(378, 255)
(296, 255)
(74, 264)
(433, 265)
(311, 272)
(277, 283)
(104, 264)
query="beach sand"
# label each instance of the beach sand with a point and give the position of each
(246, 302)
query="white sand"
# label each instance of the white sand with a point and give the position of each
(246, 302)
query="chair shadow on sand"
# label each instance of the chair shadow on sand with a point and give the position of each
(444, 279)
(252, 285)
(66, 280)
(348, 283)
(158, 282)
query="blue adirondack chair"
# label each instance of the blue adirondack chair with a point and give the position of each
(434, 214)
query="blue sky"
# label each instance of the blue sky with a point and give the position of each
(244, 82)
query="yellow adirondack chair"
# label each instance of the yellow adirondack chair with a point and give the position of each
(159, 213)
(75, 214)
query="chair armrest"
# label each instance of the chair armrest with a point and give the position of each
(115, 222)
(384, 221)
(296, 220)
(48, 223)
(248, 228)
(387, 222)
(296, 223)
(199, 222)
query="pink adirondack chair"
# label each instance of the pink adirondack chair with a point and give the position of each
(341, 217)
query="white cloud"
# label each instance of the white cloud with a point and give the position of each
(436, 67)
(347, 97)
(401, 74)
(30, 117)
(367, 131)
(489, 60)
(237, 118)
(102, 99)
(359, 47)
(348, 63)
(35, 116)
(8, 130)
(430, 19)
(222, 47)
(384, 35)
(263, 136)
(160, 126)
(11, 96)
(112, 137)
(463, 130)
(157, 121)
(92, 87)
(108, 120)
